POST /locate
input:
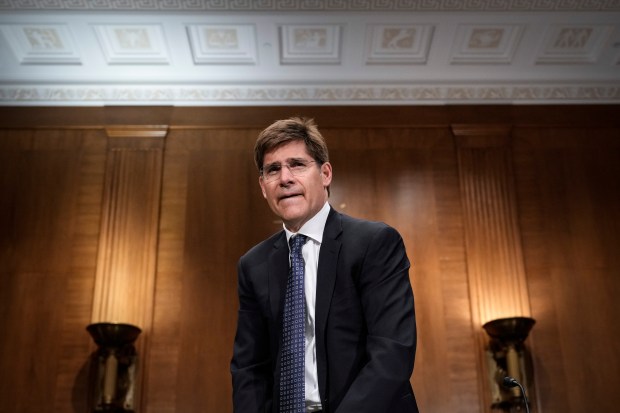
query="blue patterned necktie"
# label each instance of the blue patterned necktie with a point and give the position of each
(292, 373)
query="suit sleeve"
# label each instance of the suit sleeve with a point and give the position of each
(388, 306)
(251, 364)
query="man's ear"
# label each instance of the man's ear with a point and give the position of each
(326, 174)
(262, 186)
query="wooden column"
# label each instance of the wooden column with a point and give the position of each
(497, 283)
(125, 278)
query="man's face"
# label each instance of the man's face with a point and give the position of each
(295, 198)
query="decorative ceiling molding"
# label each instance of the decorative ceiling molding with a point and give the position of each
(370, 94)
(140, 52)
(313, 5)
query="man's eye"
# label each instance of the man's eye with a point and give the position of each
(297, 165)
(273, 169)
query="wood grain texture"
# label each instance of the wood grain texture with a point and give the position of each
(125, 279)
(497, 283)
(127, 253)
(569, 201)
(408, 178)
(212, 212)
(395, 164)
(495, 261)
(51, 184)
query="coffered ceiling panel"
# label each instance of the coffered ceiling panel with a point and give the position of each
(41, 43)
(332, 52)
(224, 44)
(132, 43)
(398, 44)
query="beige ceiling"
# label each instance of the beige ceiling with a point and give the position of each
(312, 52)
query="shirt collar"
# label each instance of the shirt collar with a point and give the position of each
(314, 227)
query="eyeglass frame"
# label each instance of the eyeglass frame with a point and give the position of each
(306, 165)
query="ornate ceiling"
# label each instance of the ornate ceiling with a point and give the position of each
(332, 52)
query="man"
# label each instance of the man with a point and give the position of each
(354, 349)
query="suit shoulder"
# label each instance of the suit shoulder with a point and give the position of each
(359, 232)
(364, 225)
(260, 250)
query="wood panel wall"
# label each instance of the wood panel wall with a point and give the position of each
(568, 184)
(543, 183)
(50, 208)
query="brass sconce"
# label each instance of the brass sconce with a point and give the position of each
(115, 366)
(507, 356)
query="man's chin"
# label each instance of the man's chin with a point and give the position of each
(290, 218)
(292, 221)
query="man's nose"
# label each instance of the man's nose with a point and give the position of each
(285, 174)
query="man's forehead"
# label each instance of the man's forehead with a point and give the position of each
(293, 150)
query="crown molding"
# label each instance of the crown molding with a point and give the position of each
(28, 95)
(312, 5)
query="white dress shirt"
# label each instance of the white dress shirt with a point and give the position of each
(313, 229)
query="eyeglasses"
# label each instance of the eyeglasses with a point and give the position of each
(296, 167)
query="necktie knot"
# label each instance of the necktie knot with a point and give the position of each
(297, 242)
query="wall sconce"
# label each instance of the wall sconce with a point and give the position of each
(115, 366)
(508, 356)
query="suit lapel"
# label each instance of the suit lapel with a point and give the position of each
(278, 273)
(326, 272)
(326, 280)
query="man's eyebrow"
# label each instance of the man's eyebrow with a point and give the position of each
(288, 161)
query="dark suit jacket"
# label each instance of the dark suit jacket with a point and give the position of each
(364, 322)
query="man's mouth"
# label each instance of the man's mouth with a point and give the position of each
(289, 196)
